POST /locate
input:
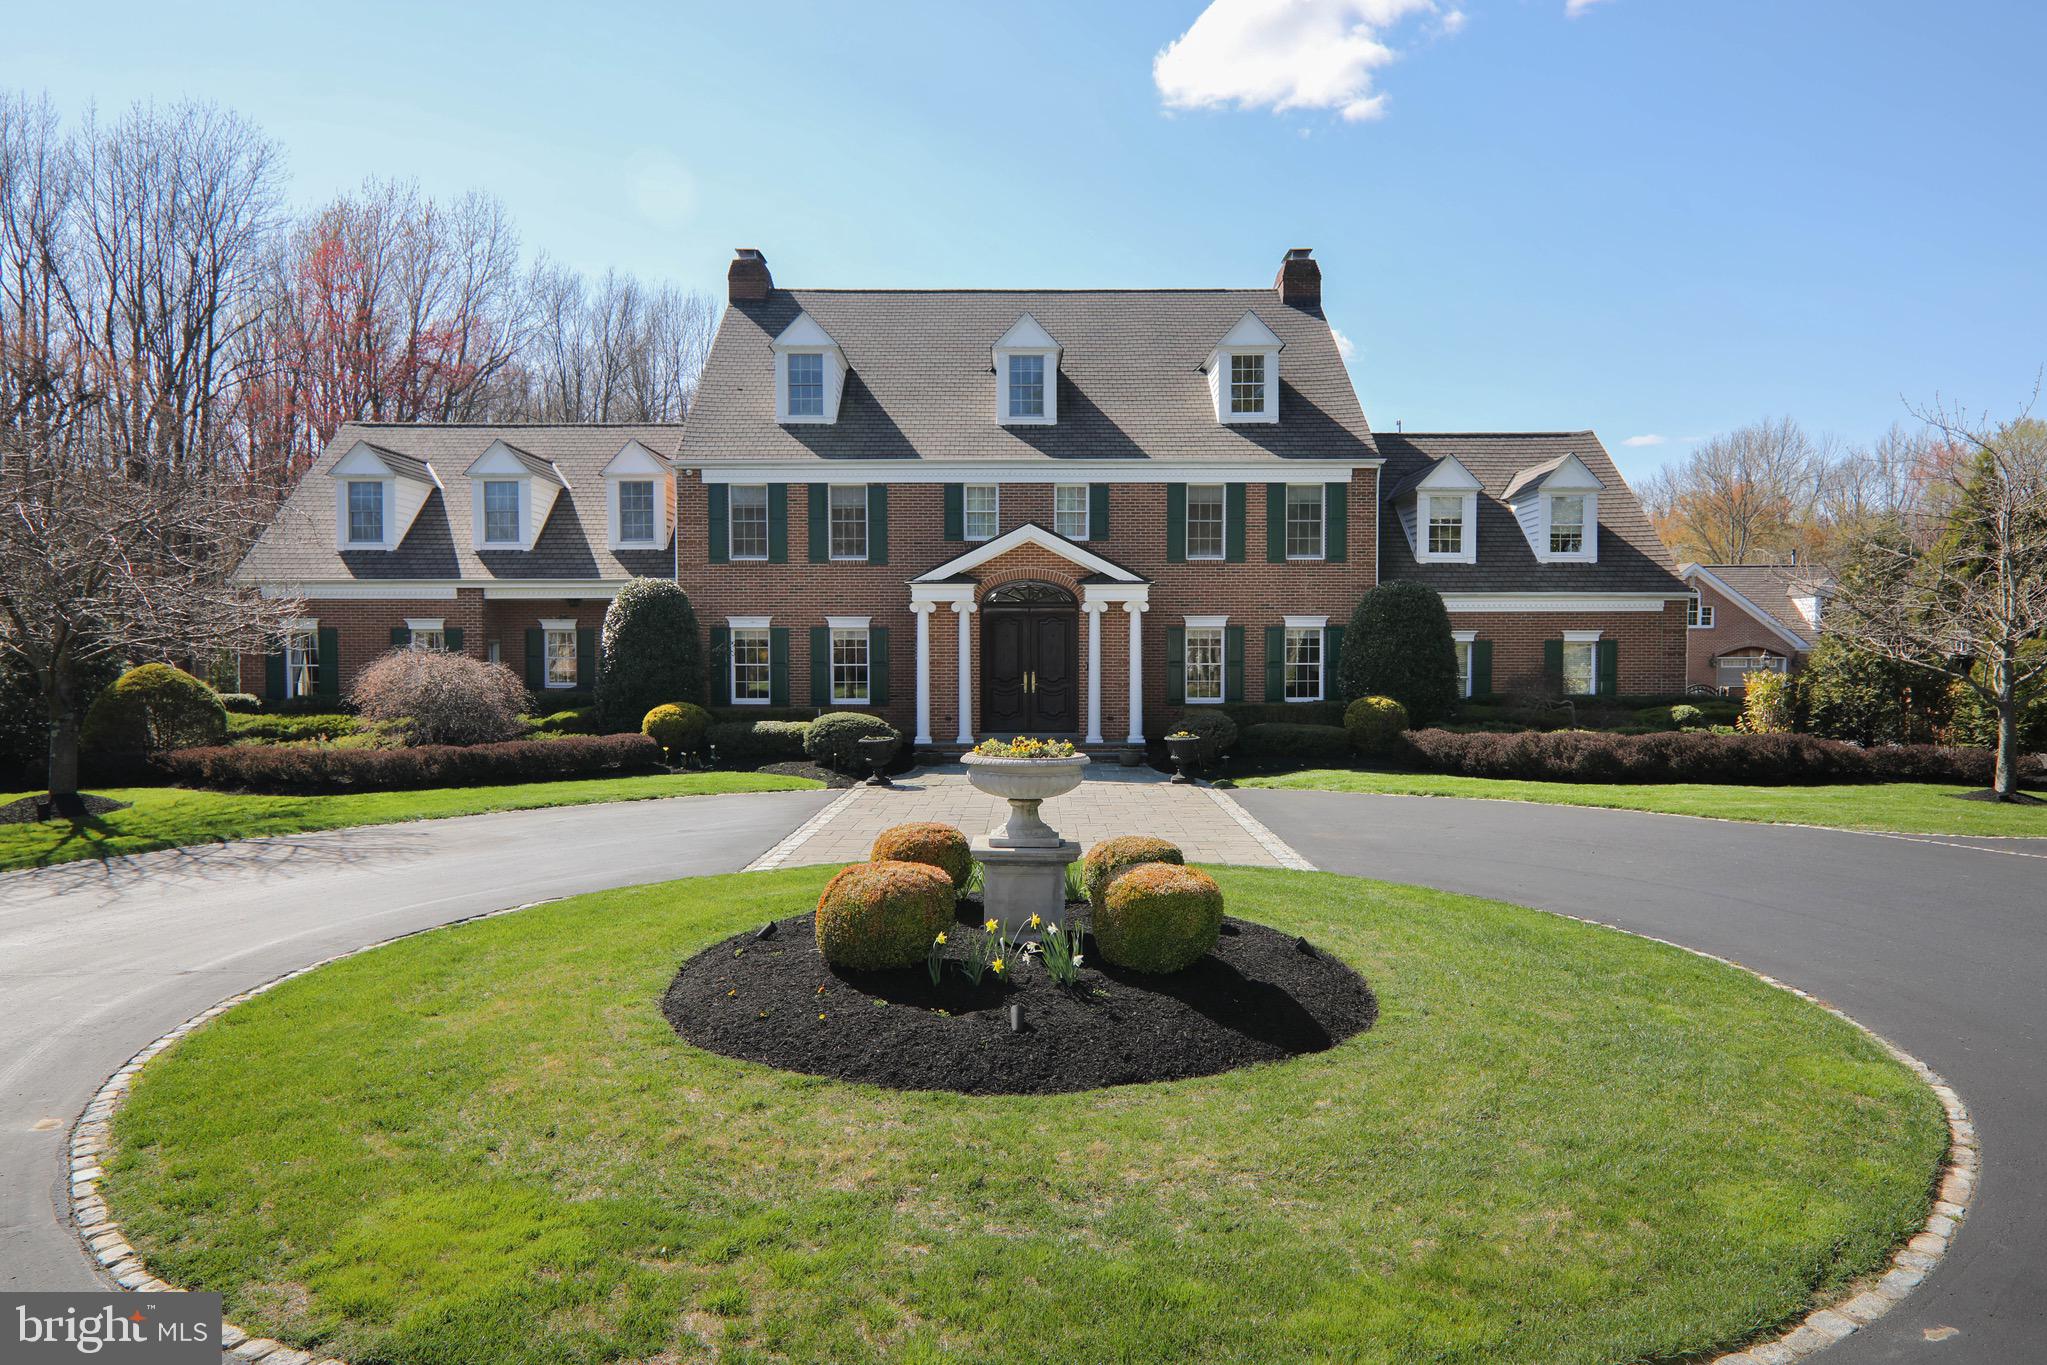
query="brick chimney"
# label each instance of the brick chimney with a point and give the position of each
(1300, 279)
(747, 279)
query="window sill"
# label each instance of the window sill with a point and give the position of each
(751, 701)
(746, 559)
(849, 559)
(1307, 559)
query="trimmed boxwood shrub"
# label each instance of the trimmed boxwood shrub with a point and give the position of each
(327, 768)
(1374, 725)
(1158, 918)
(241, 703)
(648, 652)
(743, 742)
(262, 729)
(1111, 858)
(1689, 756)
(879, 915)
(1399, 645)
(575, 720)
(152, 709)
(930, 842)
(833, 738)
(677, 727)
(1319, 746)
(1216, 731)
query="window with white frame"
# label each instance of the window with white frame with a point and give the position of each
(983, 511)
(558, 652)
(752, 673)
(747, 512)
(426, 635)
(1463, 641)
(1698, 615)
(806, 384)
(849, 521)
(302, 660)
(1567, 524)
(1247, 383)
(636, 510)
(1581, 667)
(366, 512)
(850, 677)
(1304, 520)
(1069, 510)
(1446, 525)
(1303, 665)
(1027, 386)
(1205, 534)
(501, 512)
(1204, 663)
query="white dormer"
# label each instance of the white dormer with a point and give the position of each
(1440, 515)
(1557, 506)
(1027, 375)
(511, 493)
(377, 493)
(810, 374)
(1243, 372)
(639, 499)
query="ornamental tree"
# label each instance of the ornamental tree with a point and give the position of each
(649, 654)
(1399, 645)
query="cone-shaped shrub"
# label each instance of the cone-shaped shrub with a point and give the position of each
(1159, 918)
(1110, 858)
(928, 842)
(876, 915)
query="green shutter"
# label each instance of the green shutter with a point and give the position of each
(327, 663)
(1336, 513)
(877, 523)
(1332, 656)
(778, 666)
(1233, 663)
(1233, 510)
(400, 637)
(1176, 665)
(586, 659)
(1609, 668)
(534, 659)
(1275, 523)
(820, 523)
(955, 511)
(720, 662)
(877, 665)
(820, 666)
(721, 522)
(1481, 668)
(273, 672)
(1275, 663)
(1098, 511)
(1176, 523)
(778, 523)
(1553, 664)
(454, 637)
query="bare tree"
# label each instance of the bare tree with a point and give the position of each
(620, 352)
(1963, 589)
(1740, 497)
(39, 376)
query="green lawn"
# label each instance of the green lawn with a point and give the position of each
(175, 817)
(1902, 807)
(1559, 1143)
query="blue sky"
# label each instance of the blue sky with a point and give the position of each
(1651, 217)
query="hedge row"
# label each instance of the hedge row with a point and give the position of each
(324, 769)
(1763, 760)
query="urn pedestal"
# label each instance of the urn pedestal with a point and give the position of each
(1023, 860)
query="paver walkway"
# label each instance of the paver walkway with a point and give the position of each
(1207, 824)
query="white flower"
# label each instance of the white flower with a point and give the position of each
(1078, 959)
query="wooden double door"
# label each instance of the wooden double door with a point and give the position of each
(1030, 660)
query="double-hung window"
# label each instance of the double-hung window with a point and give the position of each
(748, 513)
(1247, 383)
(558, 641)
(1304, 663)
(751, 672)
(432, 637)
(1698, 615)
(1027, 386)
(1304, 512)
(1463, 647)
(1204, 663)
(806, 384)
(302, 663)
(1581, 667)
(1567, 524)
(501, 512)
(849, 521)
(366, 512)
(636, 510)
(1446, 526)
(849, 666)
(1069, 510)
(1205, 519)
(981, 505)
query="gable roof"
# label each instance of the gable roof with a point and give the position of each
(298, 546)
(920, 384)
(1030, 533)
(1631, 557)
(1765, 591)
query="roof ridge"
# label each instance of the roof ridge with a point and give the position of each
(1581, 431)
(499, 426)
(1028, 289)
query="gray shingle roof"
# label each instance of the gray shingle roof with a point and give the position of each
(920, 382)
(1770, 587)
(574, 544)
(1631, 556)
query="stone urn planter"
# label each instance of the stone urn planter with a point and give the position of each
(1023, 860)
(1024, 782)
(1184, 750)
(877, 752)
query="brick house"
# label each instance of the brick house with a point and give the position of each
(1748, 617)
(973, 512)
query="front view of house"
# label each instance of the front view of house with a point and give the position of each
(1061, 512)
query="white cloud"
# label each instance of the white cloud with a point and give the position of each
(1453, 23)
(1286, 54)
(1345, 347)
(1650, 440)
(1574, 8)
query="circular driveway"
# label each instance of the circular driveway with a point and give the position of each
(1940, 945)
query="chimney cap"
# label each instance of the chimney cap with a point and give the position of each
(748, 253)
(1299, 253)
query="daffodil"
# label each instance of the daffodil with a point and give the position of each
(940, 938)
(1052, 928)
(1078, 959)
(989, 926)
(1036, 921)
(997, 965)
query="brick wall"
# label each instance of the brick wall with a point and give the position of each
(1733, 631)
(1651, 653)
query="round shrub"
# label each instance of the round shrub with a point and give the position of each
(1399, 645)
(648, 652)
(241, 703)
(1216, 731)
(152, 710)
(745, 742)
(441, 698)
(1686, 717)
(833, 738)
(1375, 724)
(876, 915)
(1159, 918)
(1111, 858)
(677, 727)
(928, 842)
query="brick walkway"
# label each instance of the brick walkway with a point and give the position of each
(1206, 823)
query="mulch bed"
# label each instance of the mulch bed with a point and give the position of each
(1258, 997)
(25, 811)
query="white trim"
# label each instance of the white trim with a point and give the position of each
(540, 591)
(1222, 555)
(416, 624)
(1548, 602)
(934, 594)
(1762, 618)
(392, 591)
(804, 336)
(831, 555)
(747, 622)
(1464, 637)
(1220, 625)
(1286, 505)
(1027, 337)
(1307, 623)
(1467, 539)
(1087, 509)
(966, 511)
(1039, 471)
(556, 623)
(1320, 625)
(751, 624)
(1581, 637)
(302, 624)
(1206, 622)
(1030, 533)
(836, 626)
(844, 622)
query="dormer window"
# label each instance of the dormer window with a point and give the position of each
(1243, 372)
(1567, 524)
(1027, 386)
(1026, 375)
(511, 493)
(377, 494)
(636, 510)
(806, 384)
(1438, 509)
(365, 512)
(1446, 525)
(1247, 383)
(501, 512)
(1557, 506)
(810, 373)
(641, 498)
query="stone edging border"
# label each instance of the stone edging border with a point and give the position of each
(1910, 1265)
(793, 840)
(1281, 851)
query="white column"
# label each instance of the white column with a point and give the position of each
(1094, 612)
(1136, 610)
(964, 612)
(923, 611)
